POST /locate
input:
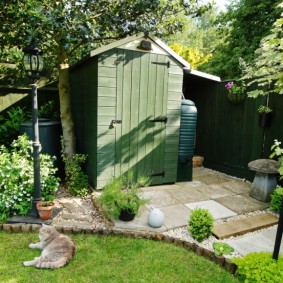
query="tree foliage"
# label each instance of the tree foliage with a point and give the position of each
(191, 55)
(67, 29)
(242, 27)
(198, 38)
(267, 69)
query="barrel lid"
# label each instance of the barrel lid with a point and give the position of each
(42, 122)
(187, 102)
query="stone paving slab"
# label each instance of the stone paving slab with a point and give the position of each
(160, 188)
(215, 191)
(83, 204)
(209, 178)
(243, 226)
(187, 194)
(237, 187)
(139, 223)
(176, 216)
(242, 204)
(256, 242)
(159, 198)
(69, 204)
(217, 210)
(78, 217)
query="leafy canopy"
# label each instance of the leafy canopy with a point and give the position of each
(76, 26)
(242, 27)
(267, 69)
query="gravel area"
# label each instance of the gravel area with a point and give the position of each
(100, 221)
(184, 235)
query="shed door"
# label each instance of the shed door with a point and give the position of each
(142, 81)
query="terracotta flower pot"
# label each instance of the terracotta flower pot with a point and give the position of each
(45, 212)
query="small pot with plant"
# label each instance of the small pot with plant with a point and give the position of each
(265, 116)
(236, 92)
(45, 209)
(120, 197)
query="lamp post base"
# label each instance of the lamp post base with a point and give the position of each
(25, 220)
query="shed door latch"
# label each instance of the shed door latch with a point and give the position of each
(115, 122)
(163, 119)
(164, 64)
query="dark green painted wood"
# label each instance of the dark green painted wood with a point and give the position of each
(228, 135)
(141, 142)
(106, 112)
(84, 109)
(125, 85)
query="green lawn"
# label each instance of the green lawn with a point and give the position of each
(109, 259)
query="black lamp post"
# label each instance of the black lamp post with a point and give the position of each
(33, 65)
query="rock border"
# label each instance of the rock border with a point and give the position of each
(198, 250)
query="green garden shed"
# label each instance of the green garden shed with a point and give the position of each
(126, 100)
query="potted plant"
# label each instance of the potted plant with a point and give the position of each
(236, 92)
(45, 209)
(265, 115)
(120, 197)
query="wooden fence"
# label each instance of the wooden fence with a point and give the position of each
(228, 135)
(13, 97)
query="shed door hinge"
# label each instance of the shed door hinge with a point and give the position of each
(164, 64)
(158, 174)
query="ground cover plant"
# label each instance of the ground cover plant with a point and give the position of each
(110, 259)
(259, 267)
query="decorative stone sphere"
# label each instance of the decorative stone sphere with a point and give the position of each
(155, 218)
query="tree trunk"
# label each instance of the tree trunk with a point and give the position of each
(65, 105)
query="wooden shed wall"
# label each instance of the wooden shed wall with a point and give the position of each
(107, 105)
(84, 109)
(97, 87)
(175, 86)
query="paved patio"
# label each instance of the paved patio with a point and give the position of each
(222, 195)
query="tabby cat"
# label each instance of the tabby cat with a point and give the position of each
(57, 249)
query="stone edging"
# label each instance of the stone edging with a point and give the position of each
(220, 260)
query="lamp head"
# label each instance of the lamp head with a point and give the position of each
(32, 60)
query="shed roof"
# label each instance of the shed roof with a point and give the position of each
(133, 41)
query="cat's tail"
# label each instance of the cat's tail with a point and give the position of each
(52, 264)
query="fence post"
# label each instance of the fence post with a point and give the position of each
(278, 234)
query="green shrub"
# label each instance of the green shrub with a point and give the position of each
(47, 110)
(276, 199)
(278, 152)
(222, 248)
(121, 193)
(10, 126)
(76, 180)
(259, 267)
(277, 195)
(16, 177)
(200, 224)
